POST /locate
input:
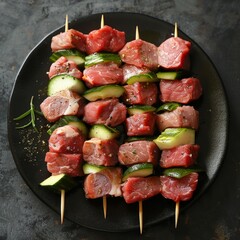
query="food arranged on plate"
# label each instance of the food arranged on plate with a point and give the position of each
(122, 117)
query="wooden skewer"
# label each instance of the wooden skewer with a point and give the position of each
(104, 197)
(137, 33)
(102, 21)
(66, 24)
(177, 206)
(175, 30)
(140, 214)
(62, 205)
(140, 205)
(105, 206)
(176, 213)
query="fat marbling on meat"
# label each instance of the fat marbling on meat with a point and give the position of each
(106, 182)
(62, 103)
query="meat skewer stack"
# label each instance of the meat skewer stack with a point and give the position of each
(65, 143)
(183, 120)
(115, 87)
(140, 155)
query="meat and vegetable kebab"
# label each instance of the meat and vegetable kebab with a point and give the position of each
(118, 108)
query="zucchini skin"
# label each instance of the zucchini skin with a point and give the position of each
(103, 132)
(168, 107)
(65, 82)
(173, 137)
(170, 75)
(56, 183)
(103, 92)
(139, 109)
(70, 54)
(180, 172)
(138, 170)
(143, 77)
(69, 120)
(97, 58)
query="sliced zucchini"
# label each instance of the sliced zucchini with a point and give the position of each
(139, 109)
(133, 139)
(69, 120)
(173, 137)
(103, 92)
(103, 132)
(71, 54)
(143, 77)
(138, 170)
(59, 182)
(91, 168)
(179, 172)
(65, 82)
(97, 58)
(168, 107)
(170, 75)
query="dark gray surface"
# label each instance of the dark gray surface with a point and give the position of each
(214, 25)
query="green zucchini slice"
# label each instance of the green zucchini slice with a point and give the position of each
(91, 168)
(138, 170)
(179, 172)
(71, 54)
(170, 75)
(59, 182)
(103, 132)
(173, 137)
(139, 109)
(143, 77)
(69, 120)
(168, 107)
(65, 82)
(103, 92)
(97, 58)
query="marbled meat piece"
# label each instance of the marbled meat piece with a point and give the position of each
(181, 91)
(62, 103)
(181, 189)
(181, 156)
(106, 182)
(140, 53)
(101, 152)
(102, 74)
(140, 188)
(141, 124)
(109, 112)
(62, 65)
(70, 164)
(174, 54)
(66, 139)
(69, 40)
(185, 116)
(140, 94)
(141, 151)
(105, 39)
(130, 70)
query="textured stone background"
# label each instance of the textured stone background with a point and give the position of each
(214, 25)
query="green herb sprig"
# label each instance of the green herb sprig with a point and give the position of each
(30, 112)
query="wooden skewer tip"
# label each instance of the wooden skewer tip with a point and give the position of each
(66, 23)
(137, 36)
(176, 30)
(105, 207)
(140, 216)
(102, 21)
(177, 213)
(62, 205)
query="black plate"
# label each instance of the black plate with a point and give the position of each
(28, 147)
